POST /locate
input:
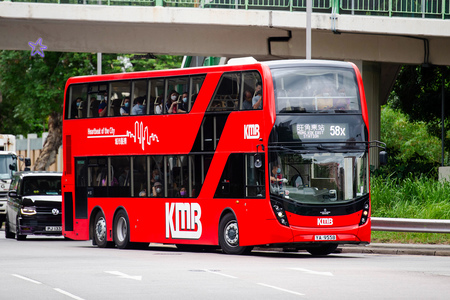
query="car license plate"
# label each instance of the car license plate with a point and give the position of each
(53, 228)
(325, 237)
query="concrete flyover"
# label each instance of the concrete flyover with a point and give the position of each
(223, 32)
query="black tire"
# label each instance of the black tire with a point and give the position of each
(8, 233)
(321, 250)
(19, 237)
(229, 236)
(121, 230)
(100, 231)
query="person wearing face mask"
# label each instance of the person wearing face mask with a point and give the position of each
(139, 108)
(157, 189)
(277, 180)
(76, 107)
(125, 109)
(183, 192)
(103, 107)
(171, 104)
(183, 105)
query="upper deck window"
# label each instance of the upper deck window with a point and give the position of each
(315, 90)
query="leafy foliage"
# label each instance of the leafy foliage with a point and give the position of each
(33, 87)
(412, 150)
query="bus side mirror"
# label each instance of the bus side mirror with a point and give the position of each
(258, 162)
(383, 158)
(12, 194)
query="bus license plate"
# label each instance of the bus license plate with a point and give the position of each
(53, 228)
(325, 237)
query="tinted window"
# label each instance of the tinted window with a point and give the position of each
(41, 185)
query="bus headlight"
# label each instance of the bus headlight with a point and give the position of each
(280, 213)
(365, 213)
(28, 210)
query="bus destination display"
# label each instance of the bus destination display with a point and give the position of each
(320, 131)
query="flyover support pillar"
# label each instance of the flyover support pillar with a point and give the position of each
(371, 74)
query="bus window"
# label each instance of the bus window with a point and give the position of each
(194, 88)
(97, 94)
(76, 94)
(157, 96)
(97, 177)
(226, 96)
(254, 176)
(120, 180)
(252, 86)
(231, 183)
(157, 177)
(316, 90)
(140, 176)
(119, 90)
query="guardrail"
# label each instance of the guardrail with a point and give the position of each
(411, 225)
(439, 9)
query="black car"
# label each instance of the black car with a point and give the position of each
(34, 205)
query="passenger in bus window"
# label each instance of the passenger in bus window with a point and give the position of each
(247, 104)
(158, 105)
(183, 105)
(171, 104)
(139, 108)
(125, 109)
(75, 107)
(103, 107)
(257, 100)
(183, 192)
(157, 190)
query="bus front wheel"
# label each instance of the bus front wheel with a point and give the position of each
(229, 236)
(122, 230)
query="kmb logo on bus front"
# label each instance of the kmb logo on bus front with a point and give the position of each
(251, 131)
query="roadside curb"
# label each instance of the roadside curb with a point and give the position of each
(397, 249)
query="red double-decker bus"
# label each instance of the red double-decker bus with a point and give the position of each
(239, 155)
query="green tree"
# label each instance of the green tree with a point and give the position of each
(33, 89)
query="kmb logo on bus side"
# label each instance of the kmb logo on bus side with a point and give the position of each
(324, 221)
(187, 220)
(251, 131)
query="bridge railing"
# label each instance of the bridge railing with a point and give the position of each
(390, 8)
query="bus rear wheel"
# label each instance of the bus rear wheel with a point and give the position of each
(229, 236)
(324, 249)
(122, 230)
(100, 236)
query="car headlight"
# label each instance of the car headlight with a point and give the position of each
(28, 210)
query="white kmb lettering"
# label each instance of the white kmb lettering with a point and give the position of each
(251, 131)
(187, 220)
(324, 221)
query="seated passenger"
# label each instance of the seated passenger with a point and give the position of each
(171, 104)
(103, 107)
(158, 105)
(183, 106)
(75, 107)
(257, 100)
(157, 190)
(139, 108)
(247, 104)
(125, 109)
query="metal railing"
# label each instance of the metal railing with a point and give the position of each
(390, 8)
(411, 225)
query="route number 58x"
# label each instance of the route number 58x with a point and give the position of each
(337, 131)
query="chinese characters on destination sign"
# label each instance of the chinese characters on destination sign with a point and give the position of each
(321, 131)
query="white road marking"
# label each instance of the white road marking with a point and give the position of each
(218, 273)
(27, 279)
(123, 275)
(313, 272)
(280, 289)
(68, 294)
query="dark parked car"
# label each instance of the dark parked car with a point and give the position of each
(34, 205)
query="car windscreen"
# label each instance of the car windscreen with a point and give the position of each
(42, 185)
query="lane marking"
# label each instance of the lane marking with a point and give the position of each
(312, 272)
(214, 272)
(68, 294)
(281, 289)
(123, 275)
(26, 278)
